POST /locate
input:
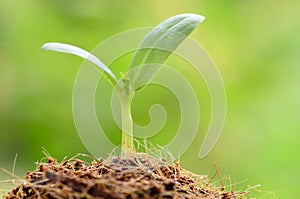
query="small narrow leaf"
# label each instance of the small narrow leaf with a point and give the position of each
(70, 49)
(159, 44)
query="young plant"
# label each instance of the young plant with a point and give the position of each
(155, 48)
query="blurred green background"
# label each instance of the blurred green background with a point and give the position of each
(254, 44)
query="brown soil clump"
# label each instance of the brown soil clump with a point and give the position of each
(115, 178)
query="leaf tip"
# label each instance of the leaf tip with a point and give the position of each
(44, 46)
(47, 46)
(196, 17)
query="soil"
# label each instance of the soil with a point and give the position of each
(115, 178)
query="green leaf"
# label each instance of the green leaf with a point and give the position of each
(70, 49)
(159, 44)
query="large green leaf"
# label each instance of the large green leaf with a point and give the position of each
(159, 44)
(74, 50)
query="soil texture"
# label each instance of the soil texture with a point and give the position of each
(115, 178)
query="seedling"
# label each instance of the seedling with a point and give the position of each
(140, 175)
(155, 48)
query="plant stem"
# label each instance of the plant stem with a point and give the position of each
(127, 123)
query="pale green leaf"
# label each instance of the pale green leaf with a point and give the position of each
(159, 44)
(70, 49)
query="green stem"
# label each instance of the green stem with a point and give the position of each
(127, 123)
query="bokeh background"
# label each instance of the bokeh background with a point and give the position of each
(255, 45)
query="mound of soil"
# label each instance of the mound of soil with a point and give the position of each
(115, 178)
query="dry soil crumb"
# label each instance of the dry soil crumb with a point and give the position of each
(115, 178)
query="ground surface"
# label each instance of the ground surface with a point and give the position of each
(115, 178)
